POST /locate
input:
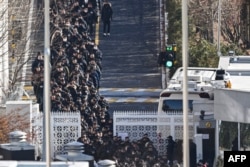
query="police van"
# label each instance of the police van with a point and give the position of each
(201, 83)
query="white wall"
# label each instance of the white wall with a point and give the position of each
(232, 105)
(42, 164)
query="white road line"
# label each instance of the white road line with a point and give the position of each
(131, 100)
(116, 99)
(129, 90)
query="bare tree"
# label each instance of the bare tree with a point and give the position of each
(24, 22)
(231, 22)
(205, 16)
(10, 122)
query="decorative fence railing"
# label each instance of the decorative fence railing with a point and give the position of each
(135, 124)
(65, 128)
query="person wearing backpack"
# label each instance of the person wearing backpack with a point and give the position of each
(106, 17)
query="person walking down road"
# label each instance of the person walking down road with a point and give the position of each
(106, 17)
(93, 18)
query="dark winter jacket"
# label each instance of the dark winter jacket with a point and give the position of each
(107, 12)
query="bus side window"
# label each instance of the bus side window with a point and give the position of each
(220, 75)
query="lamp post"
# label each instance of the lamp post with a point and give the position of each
(163, 39)
(185, 89)
(46, 91)
(219, 29)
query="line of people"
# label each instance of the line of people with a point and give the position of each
(76, 70)
(75, 58)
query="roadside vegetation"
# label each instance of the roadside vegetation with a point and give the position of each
(11, 122)
(203, 41)
(203, 30)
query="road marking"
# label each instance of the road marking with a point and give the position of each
(114, 99)
(28, 87)
(131, 100)
(29, 98)
(97, 28)
(129, 90)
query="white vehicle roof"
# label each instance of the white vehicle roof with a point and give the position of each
(201, 83)
(239, 69)
(199, 79)
(234, 62)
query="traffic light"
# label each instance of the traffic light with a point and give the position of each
(169, 60)
(166, 59)
(169, 48)
(174, 50)
(170, 55)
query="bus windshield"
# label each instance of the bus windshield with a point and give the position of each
(175, 105)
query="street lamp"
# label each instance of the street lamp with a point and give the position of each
(185, 84)
(219, 28)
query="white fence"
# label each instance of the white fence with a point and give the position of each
(65, 128)
(158, 127)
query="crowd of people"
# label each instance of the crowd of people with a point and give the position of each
(76, 63)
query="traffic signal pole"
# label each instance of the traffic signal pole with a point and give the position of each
(163, 41)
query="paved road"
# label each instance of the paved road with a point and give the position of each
(131, 79)
(130, 56)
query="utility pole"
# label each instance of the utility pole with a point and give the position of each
(219, 29)
(163, 37)
(46, 91)
(185, 90)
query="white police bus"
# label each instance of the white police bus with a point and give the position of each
(201, 83)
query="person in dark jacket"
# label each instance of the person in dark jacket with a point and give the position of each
(106, 17)
(37, 62)
(235, 144)
(170, 150)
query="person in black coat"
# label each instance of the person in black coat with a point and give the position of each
(170, 150)
(235, 144)
(106, 17)
(38, 62)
